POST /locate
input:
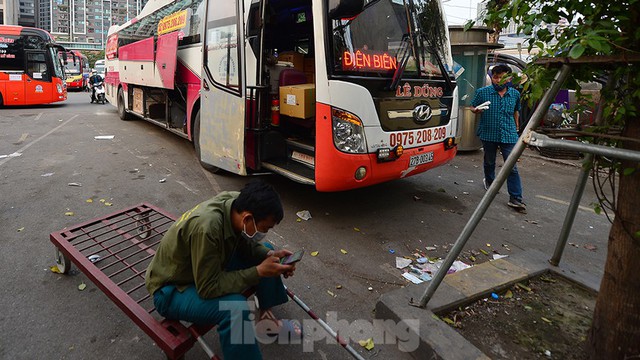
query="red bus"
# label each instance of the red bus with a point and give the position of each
(30, 70)
(336, 94)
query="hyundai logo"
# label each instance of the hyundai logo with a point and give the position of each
(422, 113)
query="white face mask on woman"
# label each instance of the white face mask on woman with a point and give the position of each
(257, 236)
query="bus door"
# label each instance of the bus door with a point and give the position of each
(222, 112)
(38, 78)
(14, 90)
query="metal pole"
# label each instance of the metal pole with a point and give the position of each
(535, 139)
(263, 7)
(488, 197)
(571, 211)
(578, 191)
(341, 341)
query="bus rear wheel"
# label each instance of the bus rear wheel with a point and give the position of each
(196, 145)
(122, 112)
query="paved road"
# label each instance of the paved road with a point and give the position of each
(44, 314)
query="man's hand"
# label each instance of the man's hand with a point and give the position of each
(281, 253)
(271, 267)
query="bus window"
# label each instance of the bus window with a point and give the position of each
(12, 57)
(222, 44)
(37, 66)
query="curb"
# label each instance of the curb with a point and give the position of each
(436, 339)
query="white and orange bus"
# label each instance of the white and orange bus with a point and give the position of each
(338, 94)
(30, 71)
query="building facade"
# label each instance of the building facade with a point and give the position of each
(8, 12)
(83, 24)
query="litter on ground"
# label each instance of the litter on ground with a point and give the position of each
(304, 215)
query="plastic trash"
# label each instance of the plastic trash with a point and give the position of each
(74, 184)
(304, 215)
(94, 258)
(15, 154)
(414, 279)
(495, 296)
(402, 263)
(422, 260)
(104, 137)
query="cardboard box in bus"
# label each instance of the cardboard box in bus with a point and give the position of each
(137, 100)
(293, 57)
(311, 77)
(298, 101)
(309, 65)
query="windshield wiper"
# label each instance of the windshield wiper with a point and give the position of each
(443, 70)
(403, 57)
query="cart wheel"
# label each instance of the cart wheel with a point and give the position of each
(143, 228)
(63, 262)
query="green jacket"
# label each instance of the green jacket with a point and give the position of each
(198, 246)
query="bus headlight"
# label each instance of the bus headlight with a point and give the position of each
(59, 88)
(348, 132)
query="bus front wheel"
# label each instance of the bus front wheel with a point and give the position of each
(196, 145)
(122, 112)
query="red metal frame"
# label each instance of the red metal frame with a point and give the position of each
(125, 242)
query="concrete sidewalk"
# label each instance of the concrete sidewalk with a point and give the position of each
(440, 341)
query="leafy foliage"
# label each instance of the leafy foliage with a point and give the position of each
(93, 56)
(575, 29)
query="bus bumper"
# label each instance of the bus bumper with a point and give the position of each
(74, 84)
(336, 171)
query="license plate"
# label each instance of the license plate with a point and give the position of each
(416, 160)
(304, 158)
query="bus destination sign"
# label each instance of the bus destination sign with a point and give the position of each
(368, 61)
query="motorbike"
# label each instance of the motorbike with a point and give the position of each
(99, 92)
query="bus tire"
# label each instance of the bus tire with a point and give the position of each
(196, 145)
(122, 112)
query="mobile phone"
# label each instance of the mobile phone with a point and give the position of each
(293, 258)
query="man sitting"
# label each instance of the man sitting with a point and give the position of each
(209, 258)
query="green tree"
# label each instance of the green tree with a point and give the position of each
(496, 23)
(598, 38)
(93, 56)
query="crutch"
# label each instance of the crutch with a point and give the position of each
(341, 341)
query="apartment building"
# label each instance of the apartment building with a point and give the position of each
(8, 14)
(83, 24)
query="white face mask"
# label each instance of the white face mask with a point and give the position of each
(257, 236)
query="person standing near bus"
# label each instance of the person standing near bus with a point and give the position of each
(499, 106)
(93, 80)
(211, 255)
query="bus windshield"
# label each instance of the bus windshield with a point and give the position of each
(374, 42)
(57, 63)
(99, 68)
(71, 67)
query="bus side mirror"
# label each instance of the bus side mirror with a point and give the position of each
(64, 56)
(340, 9)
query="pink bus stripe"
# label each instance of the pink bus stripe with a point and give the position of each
(138, 51)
